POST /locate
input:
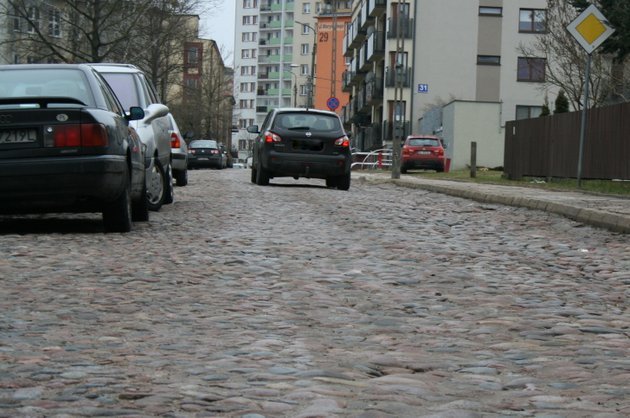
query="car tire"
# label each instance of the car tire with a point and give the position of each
(140, 208)
(117, 215)
(343, 182)
(181, 178)
(155, 187)
(403, 170)
(253, 175)
(262, 177)
(440, 169)
(331, 182)
(169, 190)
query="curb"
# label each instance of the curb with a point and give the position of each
(598, 218)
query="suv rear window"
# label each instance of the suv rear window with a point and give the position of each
(424, 142)
(311, 122)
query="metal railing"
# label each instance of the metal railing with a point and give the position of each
(377, 159)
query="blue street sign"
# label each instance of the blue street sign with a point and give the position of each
(423, 88)
(332, 103)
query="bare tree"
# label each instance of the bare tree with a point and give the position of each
(566, 60)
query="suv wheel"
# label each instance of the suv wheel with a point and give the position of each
(253, 175)
(343, 182)
(262, 176)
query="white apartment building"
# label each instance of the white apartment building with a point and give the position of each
(465, 78)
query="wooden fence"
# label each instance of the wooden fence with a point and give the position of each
(549, 146)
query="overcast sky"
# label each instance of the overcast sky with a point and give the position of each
(218, 24)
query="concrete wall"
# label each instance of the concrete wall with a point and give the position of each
(465, 122)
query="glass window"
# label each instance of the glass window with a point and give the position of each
(306, 8)
(528, 112)
(490, 11)
(531, 69)
(33, 17)
(488, 60)
(54, 23)
(532, 21)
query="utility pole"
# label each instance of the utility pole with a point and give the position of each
(399, 114)
(311, 81)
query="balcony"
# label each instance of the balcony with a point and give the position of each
(406, 28)
(346, 81)
(375, 47)
(376, 7)
(363, 19)
(400, 75)
(374, 91)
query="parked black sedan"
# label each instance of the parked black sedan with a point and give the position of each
(65, 146)
(206, 153)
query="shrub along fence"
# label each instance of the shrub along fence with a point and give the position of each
(549, 146)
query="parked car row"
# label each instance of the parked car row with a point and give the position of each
(85, 138)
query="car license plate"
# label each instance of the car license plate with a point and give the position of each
(202, 158)
(424, 152)
(18, 136)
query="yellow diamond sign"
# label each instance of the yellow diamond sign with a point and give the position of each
(590, 29)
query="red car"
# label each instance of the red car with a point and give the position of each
(422, 151)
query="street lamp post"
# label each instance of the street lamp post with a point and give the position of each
(311, 81)
(294, 84)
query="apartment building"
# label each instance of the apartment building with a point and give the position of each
(276, 60)
(450, 68)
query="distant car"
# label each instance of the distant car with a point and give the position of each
(206, 153)
(134, 89)
(179, 153)
(66, 146)
(422, 151)
(238, 165)
(301, 143)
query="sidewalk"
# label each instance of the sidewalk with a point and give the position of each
(608, 212)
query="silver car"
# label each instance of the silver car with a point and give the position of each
(134, 89)
(179, 153)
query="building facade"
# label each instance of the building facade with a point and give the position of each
(419, 67)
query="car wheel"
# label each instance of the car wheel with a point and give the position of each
(140, 208)
(262, 177)
(253, 175)
(403, 170)
(181, 178)
(169, 190)
(343, 182)
(118, 214)
(440, 169)
(155, 186)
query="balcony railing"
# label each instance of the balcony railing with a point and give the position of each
(346, 81)
(397, 75)
(374, 91)
(406, 28)
(375, 46)
(376, 7)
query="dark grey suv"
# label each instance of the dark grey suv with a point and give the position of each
(301, 143)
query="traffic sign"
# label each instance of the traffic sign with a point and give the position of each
(590, 29)
(332, 103)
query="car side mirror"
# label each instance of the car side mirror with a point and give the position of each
(253, 129)
(135, 113)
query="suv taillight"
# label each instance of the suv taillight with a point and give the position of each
(85, 135)
(342, 142)
(175, 140)
(270, 137)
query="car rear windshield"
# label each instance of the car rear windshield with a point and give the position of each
(46, 82)
(424, 142)
(204, 143)
(307, 121)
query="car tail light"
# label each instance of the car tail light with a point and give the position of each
(175, 140)
(343, 142)
(406, 151)
(270, 137)
(86, 135)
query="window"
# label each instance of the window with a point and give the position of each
(532, 21)
(245, 53)
(531, 69)
(488, 60)
(306, 8)
(305, 30)
(33, 17)
(490, 11)
(54, 23)
(305, 49)
(250, 4)
(304, 70)
(192, 56)
(304, 88)
(528, 112)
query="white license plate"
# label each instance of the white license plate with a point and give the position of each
(424, 152)
(202, 158)
(18, 136)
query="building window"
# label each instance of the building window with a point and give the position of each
(532, 21)
(304, 70)
(192, 56)
(490, 11)
(528, 112)
(306, 8)
(250, 4)
(305, 30)
(488, 60)
(245, 53)
(531, 69)
(33, 17)
(305, 49)
(304, 88)
(54, 23)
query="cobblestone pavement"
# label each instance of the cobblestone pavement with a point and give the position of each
(294, 300)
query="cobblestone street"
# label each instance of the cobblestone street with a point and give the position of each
(294, 300)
